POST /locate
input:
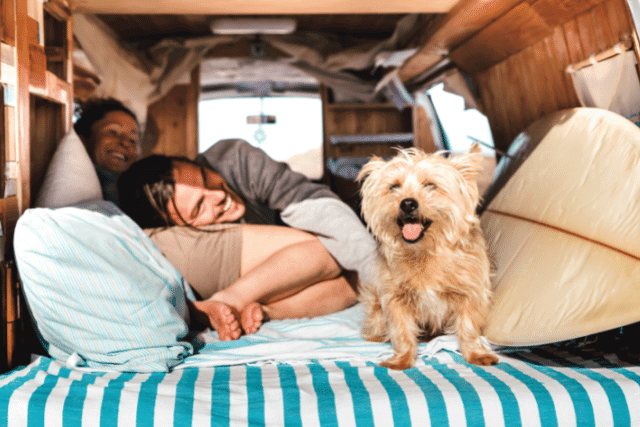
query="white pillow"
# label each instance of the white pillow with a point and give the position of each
(71, 177)
(99, 290)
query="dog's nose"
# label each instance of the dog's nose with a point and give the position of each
(408, 205)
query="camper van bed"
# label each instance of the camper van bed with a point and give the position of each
(319, 372)
(567, 355)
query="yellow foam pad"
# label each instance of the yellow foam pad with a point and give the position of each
(564, 231)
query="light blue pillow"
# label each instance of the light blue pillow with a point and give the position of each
(98, 288)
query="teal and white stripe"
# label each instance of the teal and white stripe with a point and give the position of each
(537, 388)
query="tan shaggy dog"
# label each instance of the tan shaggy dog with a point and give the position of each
(434, 268)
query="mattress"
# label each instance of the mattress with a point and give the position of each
(325, 375)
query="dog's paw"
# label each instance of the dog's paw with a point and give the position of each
(483, 359)
(399, 362)
(375, 338)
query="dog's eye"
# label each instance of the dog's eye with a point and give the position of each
(430, 186)
(394, 187)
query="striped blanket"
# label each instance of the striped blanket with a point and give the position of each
(329, 386)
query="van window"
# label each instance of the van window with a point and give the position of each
(459, 127)
(294, 138)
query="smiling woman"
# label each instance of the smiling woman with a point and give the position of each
(202, 197)
(110, 132)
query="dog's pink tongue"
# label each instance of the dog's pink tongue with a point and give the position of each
(411, 231)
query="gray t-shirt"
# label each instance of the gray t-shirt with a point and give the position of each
(269, 187)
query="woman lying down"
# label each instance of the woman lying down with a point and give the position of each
(210, 218)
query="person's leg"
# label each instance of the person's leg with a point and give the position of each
(287, 273)
(216, 315)
(319, 299)
(209, 259)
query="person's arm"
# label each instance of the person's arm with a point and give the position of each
(303, 204)
(255, 176)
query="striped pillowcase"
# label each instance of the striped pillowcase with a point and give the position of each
(98, 288)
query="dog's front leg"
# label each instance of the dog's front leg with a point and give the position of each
(470, 324)
(403, 331)
(374, 327)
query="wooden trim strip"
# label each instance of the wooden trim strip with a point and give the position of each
(621, 47)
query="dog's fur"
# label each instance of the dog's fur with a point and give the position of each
(434, 275)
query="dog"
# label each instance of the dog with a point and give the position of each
(434, 271)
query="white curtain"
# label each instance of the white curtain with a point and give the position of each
(611, 84)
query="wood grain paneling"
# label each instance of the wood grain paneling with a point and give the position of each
(263, 7)
(8, 21)
(45, 137)
(525, 25)
(502, 38)
(533, 83)
(174, 123)
(465, 19)
(555, 12)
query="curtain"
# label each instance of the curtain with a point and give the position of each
(611, 84)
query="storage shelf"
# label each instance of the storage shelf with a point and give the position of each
(389, 138)
(56, 89)
(354, 106)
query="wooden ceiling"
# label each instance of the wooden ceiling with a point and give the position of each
(148, 21)
(146, 29)
(262, 7)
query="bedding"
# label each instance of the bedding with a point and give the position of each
(323, 383)
(319, 372)
(71, 177)
(100, 292)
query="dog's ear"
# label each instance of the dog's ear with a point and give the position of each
(470, 163)
(372, 165)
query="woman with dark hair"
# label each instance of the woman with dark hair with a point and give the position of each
(111, 135)
(284, 272)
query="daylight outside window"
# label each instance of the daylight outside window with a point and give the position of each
(460, 127)
(294, 138)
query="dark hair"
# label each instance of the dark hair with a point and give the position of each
(147, 188)
(94, 110)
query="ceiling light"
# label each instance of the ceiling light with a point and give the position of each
(235, 26)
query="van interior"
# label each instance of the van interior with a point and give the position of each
(323, 86)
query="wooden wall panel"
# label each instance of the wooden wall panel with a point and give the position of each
(45, 137)
(555, 12)
(525, 25)
(8, 22)
(466, 19)
(502, 38)
(173, 121)
(533, 83)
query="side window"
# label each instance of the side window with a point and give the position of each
(459, 127)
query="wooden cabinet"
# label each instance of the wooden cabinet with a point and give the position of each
(361, 130)
(365, 129)
(36, 77)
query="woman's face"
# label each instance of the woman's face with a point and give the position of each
(202, 197)
(116, 141)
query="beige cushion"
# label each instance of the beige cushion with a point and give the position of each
(564, 231)
(71, 177)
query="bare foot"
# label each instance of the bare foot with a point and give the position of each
(220, 317)
(252, 317)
